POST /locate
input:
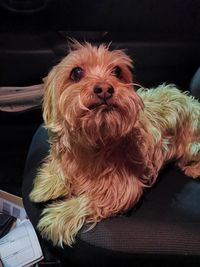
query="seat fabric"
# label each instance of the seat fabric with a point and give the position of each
(162, 230)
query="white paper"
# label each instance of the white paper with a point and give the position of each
(20, 247)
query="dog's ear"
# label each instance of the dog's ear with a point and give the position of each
(49, 102)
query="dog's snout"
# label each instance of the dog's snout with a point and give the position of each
(103, 91)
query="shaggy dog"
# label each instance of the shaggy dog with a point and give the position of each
(108, 142)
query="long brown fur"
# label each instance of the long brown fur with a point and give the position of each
(103, 156)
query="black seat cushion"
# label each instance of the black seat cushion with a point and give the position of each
(162, 230)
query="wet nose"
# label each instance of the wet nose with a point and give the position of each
(103, 91)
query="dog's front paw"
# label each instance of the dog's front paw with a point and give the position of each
(45, 190)
(48, 184)
(40, 192)
(62, 220)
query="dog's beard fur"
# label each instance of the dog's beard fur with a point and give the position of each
(103, 154)
(98, 125)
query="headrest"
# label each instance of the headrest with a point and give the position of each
(195, 84)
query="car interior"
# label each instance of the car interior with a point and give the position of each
(163, 39)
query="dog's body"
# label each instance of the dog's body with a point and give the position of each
(107, 142)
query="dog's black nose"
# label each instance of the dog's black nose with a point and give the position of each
(103, 91)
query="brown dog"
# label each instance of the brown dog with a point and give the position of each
(108, 142)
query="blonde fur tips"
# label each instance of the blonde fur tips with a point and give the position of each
(107, 140)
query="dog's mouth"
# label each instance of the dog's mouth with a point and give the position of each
(104, 106)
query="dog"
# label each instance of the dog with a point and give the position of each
(108, 141)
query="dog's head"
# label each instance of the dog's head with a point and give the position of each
(90, 93)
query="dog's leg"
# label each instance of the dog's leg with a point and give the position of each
(190, 162)
(49, 183)
(62, 220)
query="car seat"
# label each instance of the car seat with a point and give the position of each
(162, 230)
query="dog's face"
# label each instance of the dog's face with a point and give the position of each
(90, 92)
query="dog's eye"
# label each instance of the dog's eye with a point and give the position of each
(117, 72)
(77, 74)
